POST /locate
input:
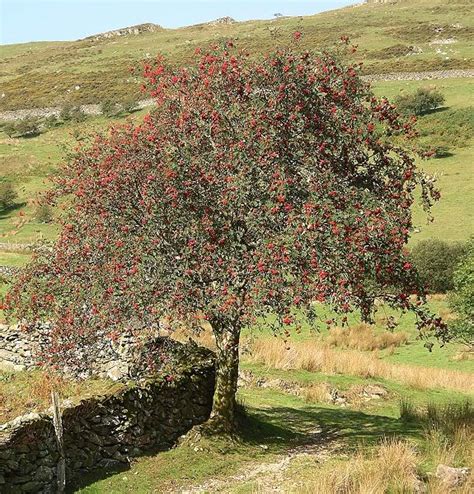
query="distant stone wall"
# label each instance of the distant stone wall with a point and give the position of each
(104, 433)
(55, 111)
(8, 271)
(421, 76)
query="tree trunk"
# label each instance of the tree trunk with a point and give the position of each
(224, 406)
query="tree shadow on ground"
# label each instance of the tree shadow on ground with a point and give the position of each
(282, 428)
(439, 109)
(352, 426)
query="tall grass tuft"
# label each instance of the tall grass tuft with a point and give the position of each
(448, 431)
(364, 337)
(392, 467)
(408, 412)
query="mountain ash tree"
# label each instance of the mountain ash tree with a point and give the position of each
(254, 187)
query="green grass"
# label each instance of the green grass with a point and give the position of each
(452, 127)
(47, 73)
(453, 214)
(14, 259)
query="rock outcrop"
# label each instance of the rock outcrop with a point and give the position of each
(127, 31)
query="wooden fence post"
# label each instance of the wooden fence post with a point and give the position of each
(58, 429)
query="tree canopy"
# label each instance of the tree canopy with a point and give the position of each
(254, 187)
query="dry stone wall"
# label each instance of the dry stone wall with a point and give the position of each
(104, 433)
(17, 348)
(130, 357)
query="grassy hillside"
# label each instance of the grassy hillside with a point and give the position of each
(408, 35)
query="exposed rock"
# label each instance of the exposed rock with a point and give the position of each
(452, 477)
(222, 20)
(323, 392)
(127, 31)
(373, 391)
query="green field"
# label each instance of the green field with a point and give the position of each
(452, 126)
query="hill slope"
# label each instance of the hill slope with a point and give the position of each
(402, 36)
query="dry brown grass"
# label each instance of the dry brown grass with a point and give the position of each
(204, 338)
(318, 393)
(437, 297)
(25, 392)
(364, 337)
(392, 467)
(458, 449)
(315, 357)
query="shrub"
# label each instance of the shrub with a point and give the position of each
(44, 213)
(435, 261)
(129, 105)
(110, 108)
(9, 128)
(51, 122)
(462, 299)
(7, 195)
(72, 113)
(27, 127)
(421, 101)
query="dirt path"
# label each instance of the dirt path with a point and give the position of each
(95, 109)
(270, 477)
